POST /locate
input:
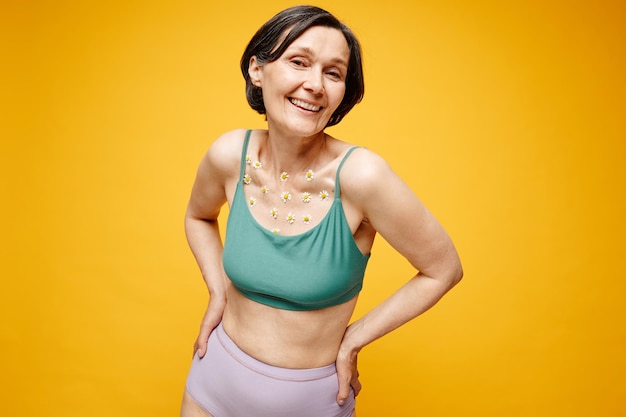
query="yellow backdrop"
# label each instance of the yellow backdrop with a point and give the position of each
(506, 118)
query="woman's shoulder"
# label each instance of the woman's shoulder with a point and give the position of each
(358, 159)
(224, 153)
(363, 162)
(228, 142)
(362, 170)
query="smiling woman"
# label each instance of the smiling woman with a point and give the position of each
(274, 37)
(304, 210)
(506, 117)
(306, 85)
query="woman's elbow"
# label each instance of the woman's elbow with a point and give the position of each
(456, 274)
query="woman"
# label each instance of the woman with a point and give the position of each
(304, 210)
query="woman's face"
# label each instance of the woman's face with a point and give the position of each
(303, 88)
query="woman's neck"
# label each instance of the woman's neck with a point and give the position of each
(292, 154)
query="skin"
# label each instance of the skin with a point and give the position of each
(375, 200)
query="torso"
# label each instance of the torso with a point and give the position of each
(289, 339)
(286, 338)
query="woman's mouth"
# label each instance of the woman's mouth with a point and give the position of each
(304, 105)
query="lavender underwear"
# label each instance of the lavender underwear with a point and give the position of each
(227, 382)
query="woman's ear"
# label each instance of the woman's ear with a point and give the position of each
(255, 71)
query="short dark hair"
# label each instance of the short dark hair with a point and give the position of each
(265, 46)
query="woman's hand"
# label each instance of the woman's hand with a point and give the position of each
(211, 319)
(347, 374)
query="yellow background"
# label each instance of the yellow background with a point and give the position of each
(506, 118)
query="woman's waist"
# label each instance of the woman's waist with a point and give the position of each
(288, 339)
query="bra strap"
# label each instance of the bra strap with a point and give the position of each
(337, 185)
(244, 152)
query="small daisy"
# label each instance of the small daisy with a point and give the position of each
(284, 176)
(306, 197)
(246, 179)
(290, 218)
(309, 175)
(265, 189)
(276, 231)
(285, 196)
(252, 201)
(248, 159)
(324, 195)
(274, 213)
(306, 218)
(257, 165)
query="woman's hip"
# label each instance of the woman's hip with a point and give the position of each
(227, 382)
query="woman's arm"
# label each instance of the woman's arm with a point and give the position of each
(208, 195)
(394, 211)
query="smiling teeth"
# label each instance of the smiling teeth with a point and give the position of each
(305, 105)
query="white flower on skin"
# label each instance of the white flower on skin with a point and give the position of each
(246, 179)
(285, 196)
(265, 189)
(284, 176)
(274, 213)
(252, 201)
(276, 231)
(324, 195)
(309, 175)
(257, 165)
(306, 218)
(248, 159)
(306, 197)
(290, 218)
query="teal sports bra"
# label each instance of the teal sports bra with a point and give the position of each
(319, 268)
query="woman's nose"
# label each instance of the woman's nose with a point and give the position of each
(314, 82)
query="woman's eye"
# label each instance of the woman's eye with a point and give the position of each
(334, 74)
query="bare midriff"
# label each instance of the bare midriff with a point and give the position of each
(285, 338)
